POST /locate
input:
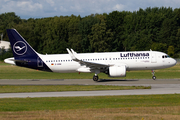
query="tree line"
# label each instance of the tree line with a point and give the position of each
(155, 28)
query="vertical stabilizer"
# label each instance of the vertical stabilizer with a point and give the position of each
(19, 45)
(24, 54)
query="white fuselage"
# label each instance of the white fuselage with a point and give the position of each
(141, 60)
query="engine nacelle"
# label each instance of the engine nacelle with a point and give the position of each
(117, 71)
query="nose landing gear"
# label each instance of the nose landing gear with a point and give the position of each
(153, 77)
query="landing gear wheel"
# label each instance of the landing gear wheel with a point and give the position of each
(154, 77)
(95, 78)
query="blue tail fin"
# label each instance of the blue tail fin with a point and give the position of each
(19, 46)
(24, 54)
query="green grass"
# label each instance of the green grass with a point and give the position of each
(66, 103)
(14, 72)
(101, 107)
(59, 88)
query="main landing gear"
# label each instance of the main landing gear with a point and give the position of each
(95, 78)
(153, 77)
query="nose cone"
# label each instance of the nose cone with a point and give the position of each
(173, 62)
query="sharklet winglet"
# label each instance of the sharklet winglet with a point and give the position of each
(71, 54)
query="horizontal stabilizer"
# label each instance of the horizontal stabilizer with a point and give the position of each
(10, 61)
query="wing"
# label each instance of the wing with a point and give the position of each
(91, 65)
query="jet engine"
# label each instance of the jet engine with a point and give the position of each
(117, 71)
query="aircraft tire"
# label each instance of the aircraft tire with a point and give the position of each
(95, 78)
(154, 77)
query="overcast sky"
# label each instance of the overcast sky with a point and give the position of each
(50, 8)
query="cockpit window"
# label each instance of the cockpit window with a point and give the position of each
(165, 56)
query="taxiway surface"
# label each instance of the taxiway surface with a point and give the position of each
(160, 86)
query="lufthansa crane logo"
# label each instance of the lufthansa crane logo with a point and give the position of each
(20, 48)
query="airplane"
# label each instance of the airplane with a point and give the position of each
(114, 64)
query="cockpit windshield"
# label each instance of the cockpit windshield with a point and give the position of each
(165, 56)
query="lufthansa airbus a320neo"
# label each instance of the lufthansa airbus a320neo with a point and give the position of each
(115, 64)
